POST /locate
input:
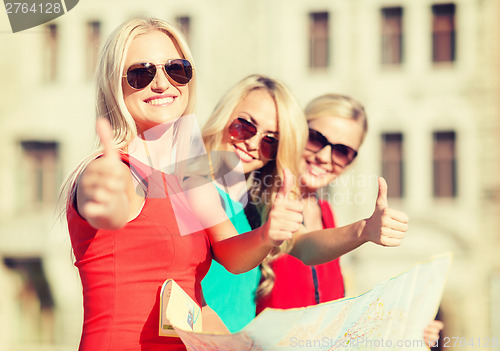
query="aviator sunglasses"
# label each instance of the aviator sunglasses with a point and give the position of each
(140, 75)
(342, 154)
(242, 129)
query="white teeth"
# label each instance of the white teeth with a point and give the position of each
(317, 171)
(162, 101)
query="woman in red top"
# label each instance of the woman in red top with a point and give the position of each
(337, 128)
(344, 121)
(131, 225)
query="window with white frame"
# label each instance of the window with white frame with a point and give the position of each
(51, 52)
(319, 40)
(93, 39)
(392, 163)
(443, 33)
(392, 35)
(184, 23)
(40, 173)
(444, 164)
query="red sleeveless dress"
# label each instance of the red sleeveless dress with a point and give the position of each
(122, 272)
(300, 285)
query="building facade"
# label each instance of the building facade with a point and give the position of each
(427, 72)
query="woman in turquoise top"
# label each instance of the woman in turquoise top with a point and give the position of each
(219, 285)
(260, 123)
(248, 122)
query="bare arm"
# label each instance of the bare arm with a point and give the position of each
(211, 322)
(240, 253)
(385, 227)
(325, 245)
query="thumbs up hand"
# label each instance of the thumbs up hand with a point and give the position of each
(386, 226)
(285, 217)
(102, 188)
(105, 134)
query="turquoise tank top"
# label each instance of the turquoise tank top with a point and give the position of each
(232, 296)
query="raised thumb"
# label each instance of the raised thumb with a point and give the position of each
(287, 185)
(105, 133)
(382, 193)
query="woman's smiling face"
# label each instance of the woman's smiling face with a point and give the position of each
(259, 108)
(163, 100)
(317, 168)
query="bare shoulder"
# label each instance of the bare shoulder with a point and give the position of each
(200, 189)
(205, 202)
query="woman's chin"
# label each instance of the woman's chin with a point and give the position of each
(254, 165)
(315, 182)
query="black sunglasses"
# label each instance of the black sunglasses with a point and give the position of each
(243, 129)
(342, 154)
(140, 75)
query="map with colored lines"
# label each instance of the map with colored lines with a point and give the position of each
(391, 316)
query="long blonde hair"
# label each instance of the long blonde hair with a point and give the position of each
(110, 102)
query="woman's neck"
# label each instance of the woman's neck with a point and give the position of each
(229, 178)
(154, 146)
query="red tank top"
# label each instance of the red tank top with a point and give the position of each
(300, 285)
(122, 272)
